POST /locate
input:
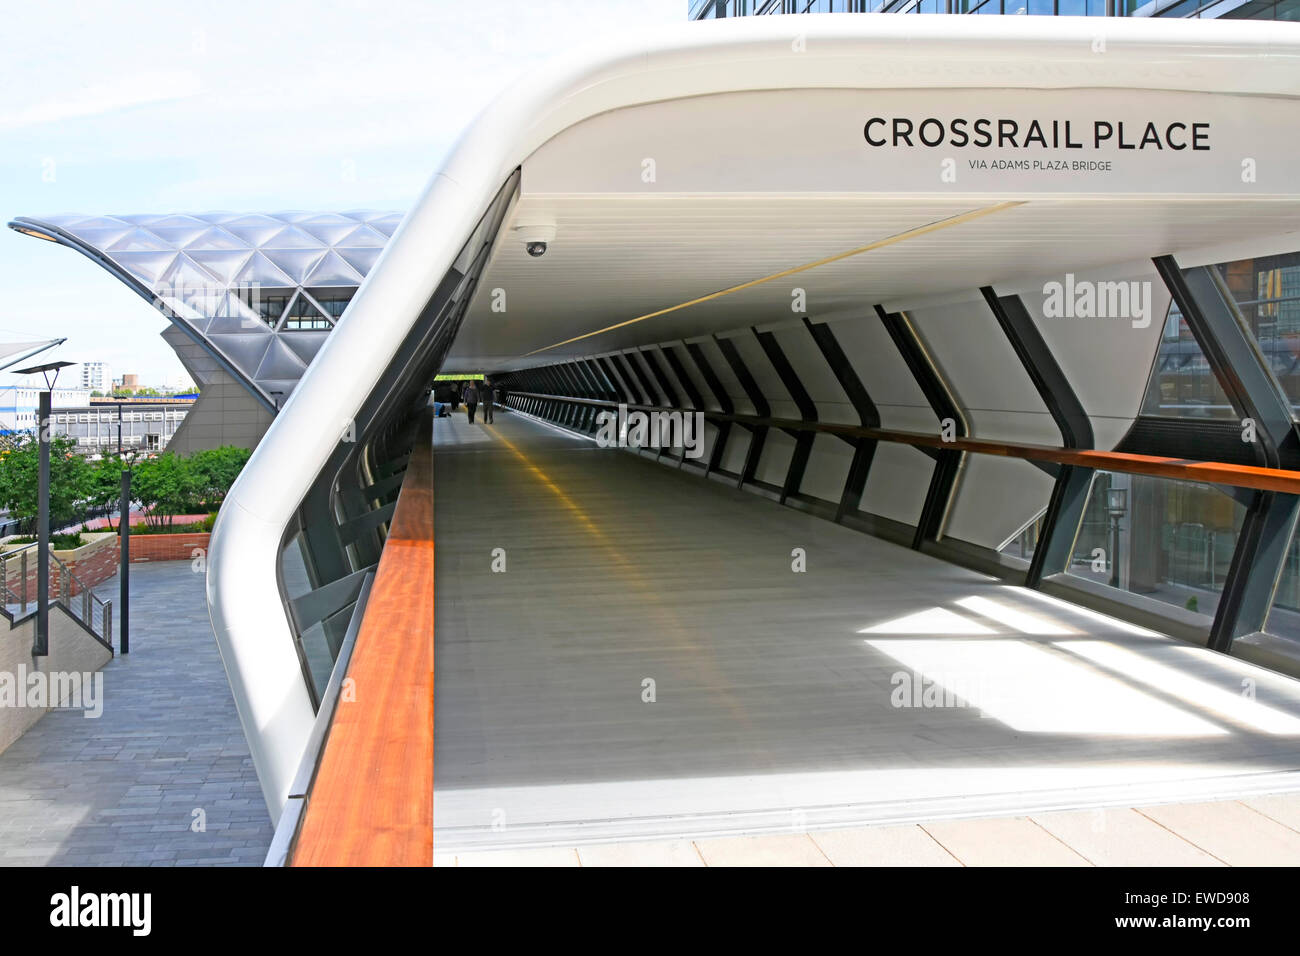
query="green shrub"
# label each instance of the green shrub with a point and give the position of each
(192, 528)
(19, 468)
(59, 542)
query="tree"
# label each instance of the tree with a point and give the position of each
(164, 486)
(214, 470)
(104, 487)
(20, 474)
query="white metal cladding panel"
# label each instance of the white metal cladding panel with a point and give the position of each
(695, 375)
(592, 371)
(610, 361)
(620, 375)
(819, 381)
(769, 383)
(897, 482)
(828, 468)
(774, 462)
(722, 369)
(1107, 361)
(884, 374)
(995, 498)
(982, 369)
(653, 353)
(634, 359)
(594, 376)
(575, 383)
(683, 396)
(710, 435)
(733, 455)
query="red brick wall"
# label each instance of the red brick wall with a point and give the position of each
(101, 564)
(92, 569)
(95, 568)
(167, 547)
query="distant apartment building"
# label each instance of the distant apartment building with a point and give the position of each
(97, 377)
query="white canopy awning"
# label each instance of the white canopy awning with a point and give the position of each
(11, 353)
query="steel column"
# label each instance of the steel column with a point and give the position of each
(864, 449)
(1270, 522)
(803, 441)
(757, 433)
(947, 464)
(1069, 498)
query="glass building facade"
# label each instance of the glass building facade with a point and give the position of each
(1230, 9)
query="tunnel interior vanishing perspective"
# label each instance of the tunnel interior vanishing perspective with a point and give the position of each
(830, 480)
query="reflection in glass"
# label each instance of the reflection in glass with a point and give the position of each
(1267, 293)
(1171, 541)
(1182, 384)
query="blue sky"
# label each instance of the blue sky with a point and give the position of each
(141, 107)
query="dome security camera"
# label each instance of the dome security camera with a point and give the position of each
(536, 237)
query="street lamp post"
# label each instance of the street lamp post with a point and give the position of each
(44, 426)
(124, 547)
(43, 527)
(124, 572)
(1117, 507)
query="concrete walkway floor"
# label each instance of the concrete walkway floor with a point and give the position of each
(647, 664)
(163, 777)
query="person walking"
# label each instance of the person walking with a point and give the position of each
(487, 402)
(470, 396)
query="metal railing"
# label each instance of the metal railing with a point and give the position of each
(18, 585)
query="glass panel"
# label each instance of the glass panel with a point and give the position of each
(268, 303)
(1173, 539)
(304, 315)
(1182, 384)
(1284, 615)
(333, 301)
(1024, 543)
(1267, 292)
(1285, 10)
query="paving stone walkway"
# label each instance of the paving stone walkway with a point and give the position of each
(123, 789)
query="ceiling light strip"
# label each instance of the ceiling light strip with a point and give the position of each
(878, 244)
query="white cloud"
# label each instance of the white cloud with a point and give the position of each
(118, 93)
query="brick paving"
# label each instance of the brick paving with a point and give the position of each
(122, 790)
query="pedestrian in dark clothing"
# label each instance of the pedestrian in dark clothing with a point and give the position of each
(470, 396)
(487, 402)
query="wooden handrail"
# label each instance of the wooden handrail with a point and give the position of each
(371, 803)
(1185, 469)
